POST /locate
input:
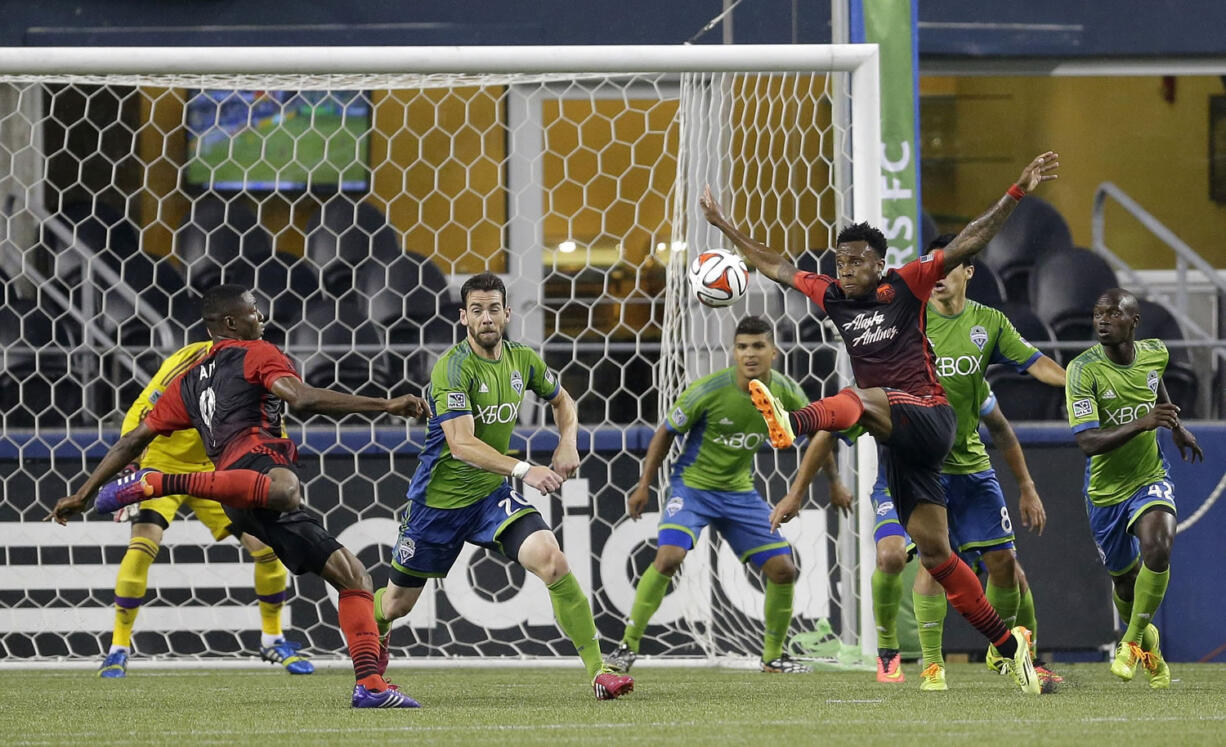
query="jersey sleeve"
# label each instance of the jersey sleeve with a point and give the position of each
(174, 366)
(265, 363)
(923, 273)
(1011, 348)
(1080, 397)
(169, 414)
(449, 389)
(686, 411)
(814, 286)
(540, 379)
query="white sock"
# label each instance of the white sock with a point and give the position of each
(267, 640)
(117, 648)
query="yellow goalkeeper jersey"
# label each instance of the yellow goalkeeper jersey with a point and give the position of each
(181, 451)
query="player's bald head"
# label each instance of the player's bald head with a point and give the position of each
(1121, 299)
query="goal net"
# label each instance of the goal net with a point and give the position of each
(354, 190)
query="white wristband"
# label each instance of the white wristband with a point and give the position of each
(520, 469)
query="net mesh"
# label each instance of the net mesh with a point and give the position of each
(355, 206)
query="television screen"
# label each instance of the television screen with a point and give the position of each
(278, 140)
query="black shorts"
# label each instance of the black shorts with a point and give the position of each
(922, 435)
(297, 537)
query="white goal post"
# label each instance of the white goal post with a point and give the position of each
(355, 188)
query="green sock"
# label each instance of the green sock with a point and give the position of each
(1026, 618)
(574, 616)
(1149, 637)
(1122, 606)
(647, 597)
(778, 614)
(1146, 598)
(1005, 600)
(382, 622)
(887, 598)
(930, 624)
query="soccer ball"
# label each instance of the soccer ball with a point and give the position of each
(718, 277)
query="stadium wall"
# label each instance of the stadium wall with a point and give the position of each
(1072, 591)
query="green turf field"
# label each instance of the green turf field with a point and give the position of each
(552, 706)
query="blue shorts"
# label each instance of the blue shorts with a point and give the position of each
(431, 538)
(741, 518)
(886, 523)
(1118, 547)
(978, 519)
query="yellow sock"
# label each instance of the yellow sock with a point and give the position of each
(270, 582)
(130, 587)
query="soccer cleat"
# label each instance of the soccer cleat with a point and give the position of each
(933, 678)
(1021, 666)
(777, 422)
(785, 664)
(390, 698)
(114, 666)
(1124, 665)
(621, 659)
(1155, 666)
(285, 653)
(994, 660)
(889, 669)
(1045, 674)
(128, 489)
(609, 685)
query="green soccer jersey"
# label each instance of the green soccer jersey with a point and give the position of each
(464, 383)
(723, 430)
(1104, 393)
(964, 346)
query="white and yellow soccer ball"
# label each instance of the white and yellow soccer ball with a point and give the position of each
(718, 277)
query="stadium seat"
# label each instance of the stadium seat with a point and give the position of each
(1157, 321)
(35, 383)
(285, 287)
(1181, 386)
(1063, 288)
(1023, 397)
(1030, 326)
(345, 234)
(985, 287)
(337, 346)
(1034, 230)
(412, 304)
(928, 230)
(221, 241)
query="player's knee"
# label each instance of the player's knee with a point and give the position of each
(781, 571)
(1156, 552)
(553, 566)
(1002, 568)
(284, 491)
(668, 559)
(891, 560)
(931, 557)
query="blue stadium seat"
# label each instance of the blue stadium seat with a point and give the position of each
(343, 235)
(1157, 321)
(1023, 397)
(1034, 230)
(985, 287)
(1063, 288)
(221, 241)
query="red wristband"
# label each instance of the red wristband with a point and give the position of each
(1016, 192)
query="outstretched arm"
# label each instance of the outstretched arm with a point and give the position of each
(124, 452)
(1047, 371)
(307, 399)
(661, 442)
(770, 263)
(976, 235)
(1034, 516)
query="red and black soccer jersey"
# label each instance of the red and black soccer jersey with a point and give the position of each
(884, 332)
(227, 397)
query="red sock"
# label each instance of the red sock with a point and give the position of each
(966, 595)
(836, 413)
(357, 618)
(240, 488)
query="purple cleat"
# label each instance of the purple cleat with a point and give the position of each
(129, 489)
(390, 698)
